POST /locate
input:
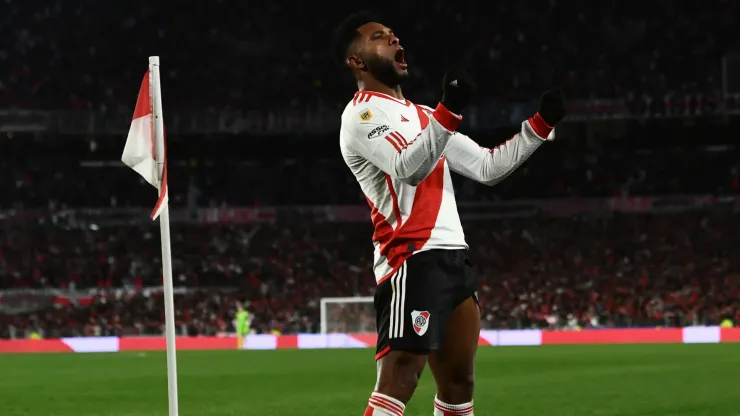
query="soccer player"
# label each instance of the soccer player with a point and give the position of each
(242, 325)
(402, 154)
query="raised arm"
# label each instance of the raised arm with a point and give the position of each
(372, 134)
(491, 166)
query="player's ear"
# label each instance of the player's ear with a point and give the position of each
(355, 62)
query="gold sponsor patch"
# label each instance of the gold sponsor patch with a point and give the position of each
(366, 115)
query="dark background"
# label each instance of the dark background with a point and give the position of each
(625, 219)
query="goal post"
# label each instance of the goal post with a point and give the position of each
(347, 315)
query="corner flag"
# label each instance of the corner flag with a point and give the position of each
(145, 153)
(140, 153)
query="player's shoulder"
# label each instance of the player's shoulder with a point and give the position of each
(365, 109)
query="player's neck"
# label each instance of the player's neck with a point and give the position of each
(377, 86)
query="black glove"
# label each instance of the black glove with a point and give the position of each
(457, 88)
(552, 106)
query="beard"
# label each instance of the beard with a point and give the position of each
(384, 70)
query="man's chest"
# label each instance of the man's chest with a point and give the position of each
(409, 120)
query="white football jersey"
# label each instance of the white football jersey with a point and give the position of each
(402, 153)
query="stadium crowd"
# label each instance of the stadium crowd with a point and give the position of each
(624, 270)
(536, 272)
(89, 54)
(60, 182)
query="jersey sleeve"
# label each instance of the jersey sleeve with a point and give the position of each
(491, 166)
(372, 134)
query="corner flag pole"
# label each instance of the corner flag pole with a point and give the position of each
(164, 229)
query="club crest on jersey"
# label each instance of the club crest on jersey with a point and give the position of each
(421, 322)
(366, 115)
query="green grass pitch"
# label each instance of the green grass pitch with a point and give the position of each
(629, 380)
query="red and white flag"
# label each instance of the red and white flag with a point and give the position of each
(139, 153)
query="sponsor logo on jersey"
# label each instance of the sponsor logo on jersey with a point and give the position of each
(404, 119)
(378, 131)
(366, 115)
(421, 322)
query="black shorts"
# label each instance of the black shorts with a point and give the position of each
(413, 306)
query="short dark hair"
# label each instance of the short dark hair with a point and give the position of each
(346, 33)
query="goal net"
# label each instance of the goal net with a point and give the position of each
(347, 315)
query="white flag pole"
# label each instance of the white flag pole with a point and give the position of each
(164, 229)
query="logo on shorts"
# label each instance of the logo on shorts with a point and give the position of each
(421, 322)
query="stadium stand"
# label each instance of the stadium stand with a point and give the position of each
(620, 270)
(621, 223)
(49, 61)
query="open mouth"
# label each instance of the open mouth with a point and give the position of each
(399, 58)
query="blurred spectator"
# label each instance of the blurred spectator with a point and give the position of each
(631, 270)
(89, 54)
(65, 183)
(636, 270)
